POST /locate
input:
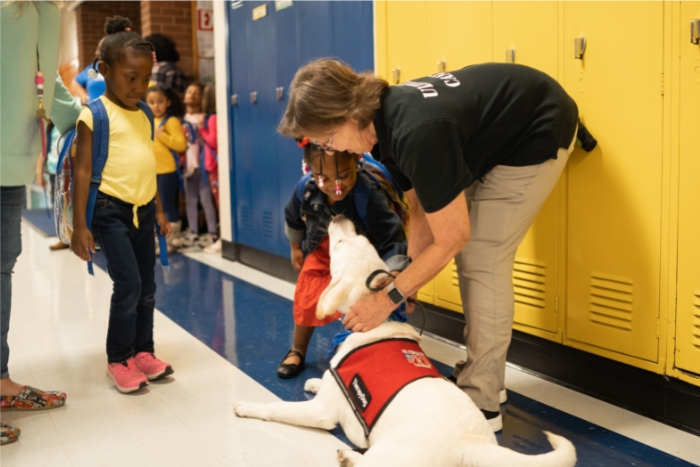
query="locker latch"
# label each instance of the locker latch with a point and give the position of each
(234, 99)
(441, 66)
(280, 93)
(579, 47)
(510, 55)
(695, 31)
(396, 75)
(253, 97)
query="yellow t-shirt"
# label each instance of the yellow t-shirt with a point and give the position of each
(173, 137)
(130, 171)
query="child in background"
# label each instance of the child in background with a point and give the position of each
(331, 191)
(127, 207)
(207, 129)
(167, 109)
(197, 187)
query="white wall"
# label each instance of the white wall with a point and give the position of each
(222, 106)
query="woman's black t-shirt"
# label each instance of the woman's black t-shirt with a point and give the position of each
(441, 133)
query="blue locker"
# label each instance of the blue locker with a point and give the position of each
(264, 55)
(243, 162)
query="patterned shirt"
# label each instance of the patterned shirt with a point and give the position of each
(170, 75)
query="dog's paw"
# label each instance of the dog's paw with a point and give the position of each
(247, 409)
(348, 457)
(312, 385)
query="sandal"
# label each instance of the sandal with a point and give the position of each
(291, 370)
(8, 434)
(33, 399)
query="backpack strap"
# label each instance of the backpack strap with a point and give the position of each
(299, 189)
(363, 192)
(100, 147)
(162, 244)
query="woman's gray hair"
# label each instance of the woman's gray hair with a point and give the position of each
(325, 93)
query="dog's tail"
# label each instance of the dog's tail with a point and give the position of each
(492, 455)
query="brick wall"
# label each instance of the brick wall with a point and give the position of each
(90, 19)
(174, 19)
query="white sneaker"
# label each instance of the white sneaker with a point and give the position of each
(207, 240)
(496, 420)
(214, 248)
(188, 240)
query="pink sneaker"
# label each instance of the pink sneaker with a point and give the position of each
(151, 367)
(127, 376)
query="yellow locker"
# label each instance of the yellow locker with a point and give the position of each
(427, 293)
(615, 192)
(407, 40)
(531, 30)
(447, 288)
(688, 312)
(459, 34)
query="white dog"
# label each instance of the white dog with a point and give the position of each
(430, 422)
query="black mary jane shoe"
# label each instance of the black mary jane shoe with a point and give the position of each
(291, 370)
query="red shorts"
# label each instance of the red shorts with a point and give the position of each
(313, 279)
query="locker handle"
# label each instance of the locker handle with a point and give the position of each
(579, 47)
(441, 66)
(510, 55)
(695, 31)
(280, 93)
(234, 99)
(253, 97)
(396, 75)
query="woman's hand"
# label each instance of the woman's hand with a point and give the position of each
(159, 132)
(297, 258)
(371, 311)
(163, 224)
(82, 243)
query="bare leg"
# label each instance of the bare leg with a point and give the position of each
(348, 457)
(302, 337)
(9, 387)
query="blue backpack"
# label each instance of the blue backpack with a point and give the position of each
(378, 174)
(65, 176)
(193, 137)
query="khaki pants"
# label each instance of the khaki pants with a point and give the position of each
(502, 206)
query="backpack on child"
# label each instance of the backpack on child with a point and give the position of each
(380, 176)
(65, 176)
(176, 156)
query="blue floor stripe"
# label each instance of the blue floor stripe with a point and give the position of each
(41, 219)
(205, 301)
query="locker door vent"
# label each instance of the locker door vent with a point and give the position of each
(246, 219)
(529, 282)
(268, 226)
(696, 320)
(611, 301)
(455, 275)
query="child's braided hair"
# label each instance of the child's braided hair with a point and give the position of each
(120, 40)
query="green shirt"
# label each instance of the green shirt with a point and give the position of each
(24, 27)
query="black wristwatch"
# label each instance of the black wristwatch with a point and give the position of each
(395, 294)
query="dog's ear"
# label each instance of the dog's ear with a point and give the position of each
(330, 299)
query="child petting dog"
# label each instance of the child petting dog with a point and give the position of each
(331, 188)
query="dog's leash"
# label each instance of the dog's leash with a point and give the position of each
(378, 272)
(397, 315)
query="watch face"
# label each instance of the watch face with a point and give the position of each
(395, 295)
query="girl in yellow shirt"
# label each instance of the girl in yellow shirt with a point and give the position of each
(127, 206)
(167, 108)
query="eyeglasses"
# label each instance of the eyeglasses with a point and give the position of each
(327, 147)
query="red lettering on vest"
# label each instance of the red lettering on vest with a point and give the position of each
(370, 376)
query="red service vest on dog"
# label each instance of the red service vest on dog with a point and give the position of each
(370, 376)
